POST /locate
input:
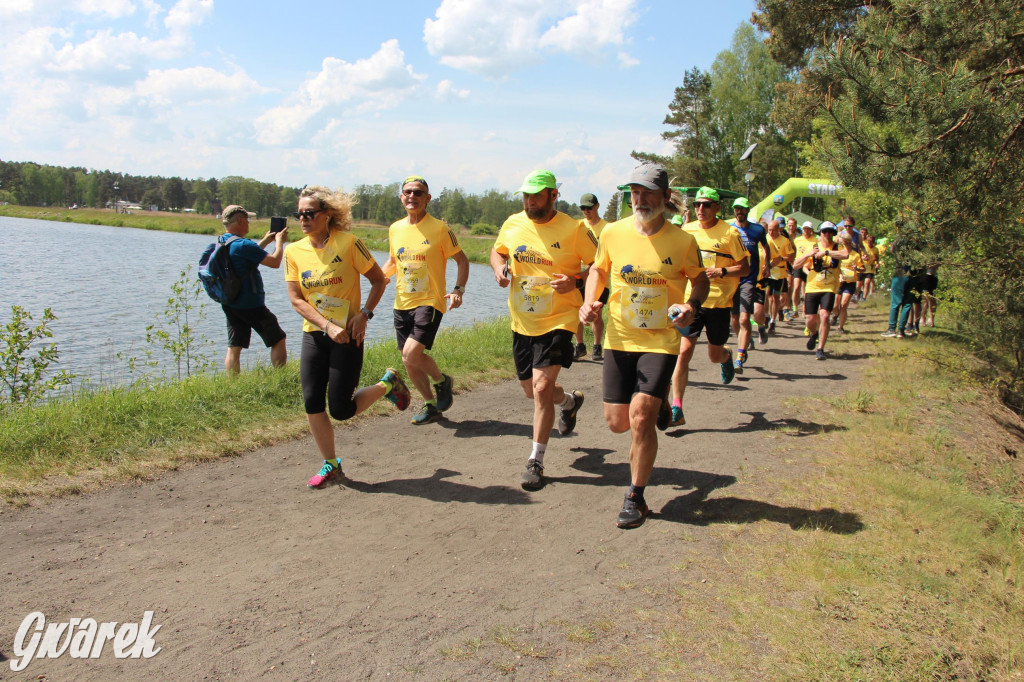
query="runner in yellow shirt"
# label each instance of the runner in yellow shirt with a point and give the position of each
(822, 264)
(725, 261)
(646, 264)
(322, 273)
(419, 248)
(870, 256)
(803, 244)
(537, 255)
(781, 256)
(593, 221)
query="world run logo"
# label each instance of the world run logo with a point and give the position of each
(82, 638)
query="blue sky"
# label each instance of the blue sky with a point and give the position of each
(469, 93)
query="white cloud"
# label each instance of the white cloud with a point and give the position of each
(626, 60)
(194, 85)
(380, 82)
(447, 91)
(495, 39)
(187, 13)
(115, 9)
(595, 25)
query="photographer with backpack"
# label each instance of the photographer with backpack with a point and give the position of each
(247, 310)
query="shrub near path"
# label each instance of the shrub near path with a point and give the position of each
(858, 518)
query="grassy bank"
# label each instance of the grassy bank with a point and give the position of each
(895, 551)
(376, 237)
(70, 445)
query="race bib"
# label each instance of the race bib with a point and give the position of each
(532, 295)
(415, 277)
(334, 309)
(645, 307)
(848, 275)
(709, 259)
(822, 277)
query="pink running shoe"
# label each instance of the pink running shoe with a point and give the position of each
(327, 472)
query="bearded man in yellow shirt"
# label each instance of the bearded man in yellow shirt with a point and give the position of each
(647, 265)
(419, 247)
(537, 255)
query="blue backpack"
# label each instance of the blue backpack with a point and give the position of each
(216, 273)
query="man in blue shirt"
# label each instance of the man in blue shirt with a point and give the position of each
(749, 298)
(249, 310)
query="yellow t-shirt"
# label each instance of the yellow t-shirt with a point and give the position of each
(824, 280)
(596, 228)
(779, 247)
(329, 277)
(420, 253)
(803, 245)
(536, 253)
(721, 246)
(646, 275)
(870, 258)
(846, 267)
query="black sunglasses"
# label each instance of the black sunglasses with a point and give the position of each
(308, 213)
(413, 192)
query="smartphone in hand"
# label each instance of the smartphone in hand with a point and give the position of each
(278, 223)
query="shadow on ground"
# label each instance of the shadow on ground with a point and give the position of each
(788, 427)
(438, 489)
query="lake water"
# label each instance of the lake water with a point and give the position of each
(107, 284)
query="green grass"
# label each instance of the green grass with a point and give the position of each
(69, 444)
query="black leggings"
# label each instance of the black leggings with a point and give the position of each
(329, 369)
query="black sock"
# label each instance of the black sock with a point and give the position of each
(637, 492)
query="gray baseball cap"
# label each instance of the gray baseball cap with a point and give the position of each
(649, 175)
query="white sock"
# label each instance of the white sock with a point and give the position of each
(569, 401)
(538, 452)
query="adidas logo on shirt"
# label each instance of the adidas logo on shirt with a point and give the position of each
(667, 261)
(337, 259)
(427, 242)
(556, 245)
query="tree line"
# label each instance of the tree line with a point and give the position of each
(32, 184)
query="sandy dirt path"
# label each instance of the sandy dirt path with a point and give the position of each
(431, 562)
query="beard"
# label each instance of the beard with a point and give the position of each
(646, 213)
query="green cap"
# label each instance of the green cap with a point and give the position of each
(416, 178)
(676, 219)
(708, 193)
(538, 181)
(741, 203)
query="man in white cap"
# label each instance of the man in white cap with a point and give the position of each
(647, 264)
(803, 244)
(538, 252)
(822, 265)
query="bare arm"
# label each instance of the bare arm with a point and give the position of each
(273, 260)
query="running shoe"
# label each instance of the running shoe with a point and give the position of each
(677, 416)
(812, 341)
(399, 393)
(326, 473)
(428, 414)
(728, 371)
(834, 319)
(633, 513)
(738, 365)
(443, 389)
(807, 331)
(581, 351)
(533, 477)
(900, 335)
(842, 330)
(664, 415)
(567, 418)
(762, 333)
(819, 354)
(889, 333)
(598, 354)
(771, 327)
